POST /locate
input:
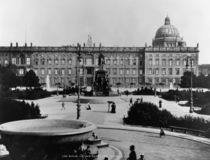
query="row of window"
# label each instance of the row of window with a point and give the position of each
(21, 60)
(170, 62)
(163, 80)
(127, 61)
(164, 71)
(17, 61)
(119, 81)
(123, 71)
(43, 61)
(55, 71)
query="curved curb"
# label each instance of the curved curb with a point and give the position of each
(152, 130)
(119, 154)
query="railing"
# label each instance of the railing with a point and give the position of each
(187, 130)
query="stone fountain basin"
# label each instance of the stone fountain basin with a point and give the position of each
(46, 131)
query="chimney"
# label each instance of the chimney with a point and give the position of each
(11, 44)
(16, 44)
(31, 44)
(197, 45)
(83, 44)
(99, 44)
(25, 44)
(94, 44)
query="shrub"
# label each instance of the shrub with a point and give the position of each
(148, 114)
(11, 110)
(30, 94)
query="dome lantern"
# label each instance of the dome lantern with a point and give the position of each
(167, 21)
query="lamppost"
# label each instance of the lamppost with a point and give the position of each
(189, 62)
(78, 50)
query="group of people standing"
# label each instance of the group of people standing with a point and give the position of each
(133, 156)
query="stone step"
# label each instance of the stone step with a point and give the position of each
(92, 141)
(102, 145)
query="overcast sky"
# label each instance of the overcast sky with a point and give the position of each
(111, 22)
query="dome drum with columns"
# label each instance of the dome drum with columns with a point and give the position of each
(168, 36)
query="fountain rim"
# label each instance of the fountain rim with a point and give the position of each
(79, 131)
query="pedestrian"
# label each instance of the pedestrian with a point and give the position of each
(88, 106)
(141, 157)
(113, 109)
(162, 133)
(141, 100)
(109, 103)
(131, 101)
(63, 106)
(160, 104)
(132, 155)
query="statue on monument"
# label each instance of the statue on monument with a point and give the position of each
(101, 61)
(101, 83)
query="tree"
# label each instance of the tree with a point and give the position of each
(186, 80)
(8, 78)
(31, 80)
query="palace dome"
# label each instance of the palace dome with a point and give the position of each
(168, 36)
(167, 30)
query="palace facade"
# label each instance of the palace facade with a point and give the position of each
(163, 63)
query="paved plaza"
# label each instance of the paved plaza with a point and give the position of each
(112, 130)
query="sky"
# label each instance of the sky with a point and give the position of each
(110, 22)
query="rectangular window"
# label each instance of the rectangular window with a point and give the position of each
(81, 61)
(140, 63)
(140, 71)
(185, 62)
(115, 61)
(163, 71)
(157, 62)
(127, 71)
(121, 71)
(28, 61)
(69, 61)
(63, 61)
(49, 71)
(81, 71)
(163, 62)
(177, 62)
(156, 71)
(134, 61)
(21, 71)
(114, 71)
(170, 72)
(56, 71)
(107, 61)
(89, 61)
(134, 71)
(42, 71)
(121, 61)
(6, 61)
(36, 61)
(177, 71)
(49, 61)
(56, 61)
(63, 71)
(170, 62)
(69, 71)
(150, 62)
(150, 70)
(43, 61)
(127, 61)
(13, 60)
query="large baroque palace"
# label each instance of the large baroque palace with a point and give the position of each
(163, 63)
